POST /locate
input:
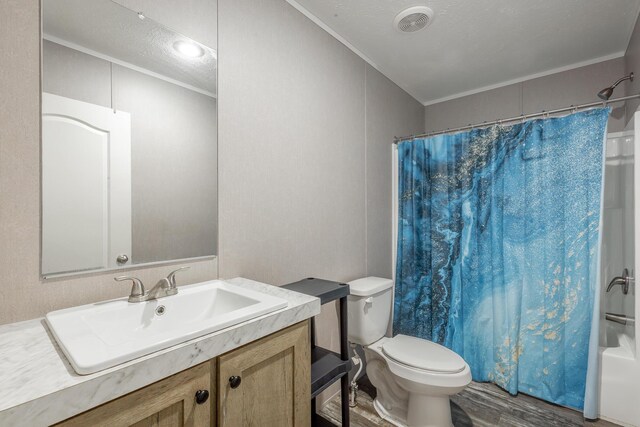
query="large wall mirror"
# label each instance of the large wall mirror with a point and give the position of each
(129, 133)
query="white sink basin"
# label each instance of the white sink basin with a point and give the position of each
(105, 334)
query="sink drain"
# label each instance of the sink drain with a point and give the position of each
(160, 310)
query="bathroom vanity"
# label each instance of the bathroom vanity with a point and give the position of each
(253, 373)
(265, 382)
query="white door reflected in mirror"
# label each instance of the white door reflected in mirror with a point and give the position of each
(86, 185)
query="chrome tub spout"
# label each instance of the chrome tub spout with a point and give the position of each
(621, 319)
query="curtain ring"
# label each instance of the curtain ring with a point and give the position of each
(522, 118)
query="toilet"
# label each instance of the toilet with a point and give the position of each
(413, 377)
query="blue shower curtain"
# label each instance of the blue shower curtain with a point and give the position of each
(498, 252)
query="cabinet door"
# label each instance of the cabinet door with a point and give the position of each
(268, 382)
(167, 403)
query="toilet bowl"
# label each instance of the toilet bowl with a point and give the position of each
(414, 378)
(411, 395)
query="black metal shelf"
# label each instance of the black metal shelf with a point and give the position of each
(328, 366)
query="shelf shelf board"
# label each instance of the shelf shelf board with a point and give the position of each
(320, 421)
(326, 290)
(326, 368)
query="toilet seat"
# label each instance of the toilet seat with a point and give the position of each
(419, 375)
(423, 355)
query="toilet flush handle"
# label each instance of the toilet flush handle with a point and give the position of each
(369, 300)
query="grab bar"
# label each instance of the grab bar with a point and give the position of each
(621, 318)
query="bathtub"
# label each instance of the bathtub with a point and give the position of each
(619, 378)
(620, 367)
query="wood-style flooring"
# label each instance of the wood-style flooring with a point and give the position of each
(480, 405)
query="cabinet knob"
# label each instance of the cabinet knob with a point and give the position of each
(234, 381)
(202, 396)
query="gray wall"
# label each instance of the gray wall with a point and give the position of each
(305, 149)
(559, 90)
(25, 295)
(632, 64)
(173, 151)
(305, 152)
(389, 112)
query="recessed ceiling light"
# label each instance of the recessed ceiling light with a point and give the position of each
(188, 49)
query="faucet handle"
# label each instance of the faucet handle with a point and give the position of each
(137, 289)
(171, 277)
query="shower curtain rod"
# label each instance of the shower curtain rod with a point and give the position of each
(396, 139)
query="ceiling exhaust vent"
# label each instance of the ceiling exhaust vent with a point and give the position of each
(413, 19)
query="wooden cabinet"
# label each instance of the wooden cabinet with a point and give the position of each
(168, 403)
(267, 383)
(270, 387)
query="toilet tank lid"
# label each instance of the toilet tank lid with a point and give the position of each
(369, 285)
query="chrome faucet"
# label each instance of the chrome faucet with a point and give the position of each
(623, 281)
(138, 294)
(164, 288)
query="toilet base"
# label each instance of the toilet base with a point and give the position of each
(426, 411)
(386, 415)
(422, 411)
(429, 411)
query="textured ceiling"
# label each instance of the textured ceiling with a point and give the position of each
(473, 45)
(196, 19)
(112, 30)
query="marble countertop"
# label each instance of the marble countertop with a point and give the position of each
(38, 386)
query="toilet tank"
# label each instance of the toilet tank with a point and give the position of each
(369, 309)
